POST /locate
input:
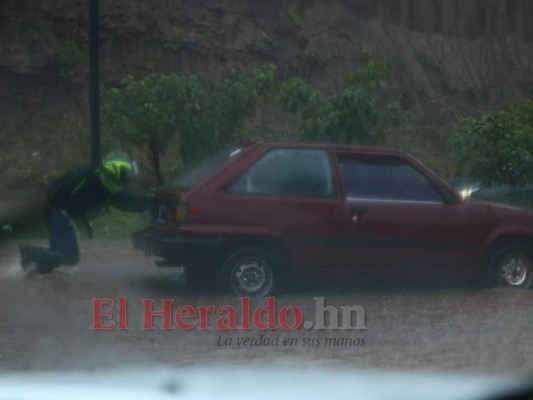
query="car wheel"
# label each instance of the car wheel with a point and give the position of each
(512, 266)
(248, 272)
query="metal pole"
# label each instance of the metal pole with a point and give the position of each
(94, 81)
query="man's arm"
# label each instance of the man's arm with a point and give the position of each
(129, 202)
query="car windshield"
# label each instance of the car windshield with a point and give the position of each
(208, 166)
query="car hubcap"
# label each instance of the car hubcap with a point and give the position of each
(251, 276)
(514, 270)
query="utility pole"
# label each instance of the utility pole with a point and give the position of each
(94, 81)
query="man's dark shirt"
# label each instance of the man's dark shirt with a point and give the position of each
(81, 191)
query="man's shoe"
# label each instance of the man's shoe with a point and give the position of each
(26, 260)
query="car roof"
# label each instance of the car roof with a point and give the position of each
(335, 147)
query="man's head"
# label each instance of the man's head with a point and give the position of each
(117, 168)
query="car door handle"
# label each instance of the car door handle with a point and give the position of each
(357, 212)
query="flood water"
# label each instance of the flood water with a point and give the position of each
(46, 322)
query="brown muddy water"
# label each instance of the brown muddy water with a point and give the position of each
(46, 322)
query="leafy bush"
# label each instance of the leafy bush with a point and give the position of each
(497, 147)
(355, 115)
(152, 112)
(73, 62)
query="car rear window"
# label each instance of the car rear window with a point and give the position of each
(288, 172)
(207, 167)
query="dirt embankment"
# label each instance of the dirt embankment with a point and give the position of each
(448, 54)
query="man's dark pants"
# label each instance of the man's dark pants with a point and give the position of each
(62, 235)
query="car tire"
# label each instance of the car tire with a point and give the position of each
(512, 266)
(249, 271)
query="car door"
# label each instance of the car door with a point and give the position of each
(395, 219)
(291, 194)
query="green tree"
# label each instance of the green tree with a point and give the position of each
(145, 113)
(222, 116)
(355, 115)
(314, 109)
(497, 147)
(151, 112)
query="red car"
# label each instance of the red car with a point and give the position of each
(251, 216)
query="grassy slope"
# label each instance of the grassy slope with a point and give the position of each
(29, 223)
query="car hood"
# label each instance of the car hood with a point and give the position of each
(499, 209)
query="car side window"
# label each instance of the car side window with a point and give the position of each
(384, 178)
(288, 172)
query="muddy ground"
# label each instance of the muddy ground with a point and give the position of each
(45, 322)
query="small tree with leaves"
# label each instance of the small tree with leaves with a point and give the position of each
(221, 117)
(146, 112)
(152, 112)
(497, 147)
(353, 116)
